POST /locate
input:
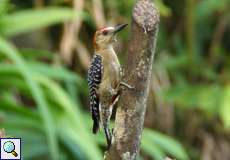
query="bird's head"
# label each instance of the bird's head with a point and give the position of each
(104, 37)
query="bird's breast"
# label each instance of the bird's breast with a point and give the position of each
(111, 68)
(112, 73)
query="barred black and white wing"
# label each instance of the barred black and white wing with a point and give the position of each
(94, 79)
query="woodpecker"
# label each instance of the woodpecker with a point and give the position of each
(104, 79)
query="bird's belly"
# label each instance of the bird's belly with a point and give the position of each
(113, 74)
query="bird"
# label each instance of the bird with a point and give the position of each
(104, 79)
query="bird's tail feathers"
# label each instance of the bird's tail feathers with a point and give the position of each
(96, 126)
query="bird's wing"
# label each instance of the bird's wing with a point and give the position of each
(94, 79)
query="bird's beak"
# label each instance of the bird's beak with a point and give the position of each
(119, 28)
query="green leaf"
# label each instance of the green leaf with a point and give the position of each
(154, 151)
(163, 9)
(39, 149)
(71, 122)
(206, 8)
(20, 121)
(8, 83)
(225, 107)
(28, 20)
(9, 51)
(199, 96)
(166, 144)
(30, 138)
(55, 72)
(36, 54)
(9, 106)
(73, 147)
(4, 5)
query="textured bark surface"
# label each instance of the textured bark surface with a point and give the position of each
(132, 103)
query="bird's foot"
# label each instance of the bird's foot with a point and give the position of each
(108, 137)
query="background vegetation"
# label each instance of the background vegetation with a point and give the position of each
(45, 50)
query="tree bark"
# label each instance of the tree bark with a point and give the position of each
(132, 103)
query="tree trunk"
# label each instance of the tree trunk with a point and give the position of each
(132, 103)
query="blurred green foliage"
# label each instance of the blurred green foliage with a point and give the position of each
(42, 102)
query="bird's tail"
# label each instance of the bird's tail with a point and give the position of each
(96, 126)
(95, 105)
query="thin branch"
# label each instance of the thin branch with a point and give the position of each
(132, 104)
(98, 13)
(218, 35)
(83, 54)
(190, 27)
(70, 41)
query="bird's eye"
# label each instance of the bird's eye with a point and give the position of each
(105, 32)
